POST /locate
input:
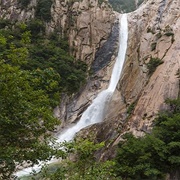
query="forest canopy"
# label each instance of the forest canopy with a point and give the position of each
(125, 6)
(34, 70)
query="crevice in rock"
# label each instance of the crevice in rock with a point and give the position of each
(104, 54)
(166, 51)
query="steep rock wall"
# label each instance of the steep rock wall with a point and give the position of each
(12, 10)
(157, 25)
(87, 23)
(153, 33)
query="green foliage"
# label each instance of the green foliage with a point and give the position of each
(24, 3)
(47, 54)
(131, 108)
(153, 46)
(25, 117)
(154, 155)
(48, 80)
(17, 55)
(178, 73)
(124, 5)
(43, 10)
(4, 23)
(32, 75)
(158, 35)
(3, 43)
(169, 33)
(153, 64)
(136, 158)
(37, 28)
(28, 42)
(84, 165)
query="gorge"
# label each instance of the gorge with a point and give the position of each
(147, 80)
(97, 110)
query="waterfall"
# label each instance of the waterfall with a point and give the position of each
(97, 110)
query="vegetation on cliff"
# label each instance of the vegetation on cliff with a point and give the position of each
(43, 52)
(155, 154)
(125, 6)
(148, 157)
(153, 64)
(42, 9)
(34, 70)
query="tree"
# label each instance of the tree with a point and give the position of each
(43, 10)
(32, 73)
(123, 6)
(80, 163)
(155, 154)
(25, 119)
(136, 158)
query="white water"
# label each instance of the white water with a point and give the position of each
(97, 110)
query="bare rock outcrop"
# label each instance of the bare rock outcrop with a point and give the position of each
(87, 23)
(13, 10)
(153, 34)
(158, 26)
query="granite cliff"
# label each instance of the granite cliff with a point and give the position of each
(153, 35)
(86, 23)
(92, 30)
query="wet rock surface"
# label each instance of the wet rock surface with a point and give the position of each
(104, 54)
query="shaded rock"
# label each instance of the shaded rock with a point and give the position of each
(105, 53)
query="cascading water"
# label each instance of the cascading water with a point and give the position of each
(96, 111)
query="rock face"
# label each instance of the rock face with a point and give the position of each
(12, 10)
(87, 23)
(157, 25)
(153, 34)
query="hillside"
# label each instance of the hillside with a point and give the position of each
(125, 6)
(57, 56)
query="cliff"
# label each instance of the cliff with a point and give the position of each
(153, 35)
(92, 30)
(87, 24)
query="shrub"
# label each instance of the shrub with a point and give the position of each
(37, 28)
(4, 23)
(122, 5)
(24, 3)
(43, 52)
(155, 154)
(43, 10)
(169, 33)
(153, 64)
(153, 46)
(131, 108)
